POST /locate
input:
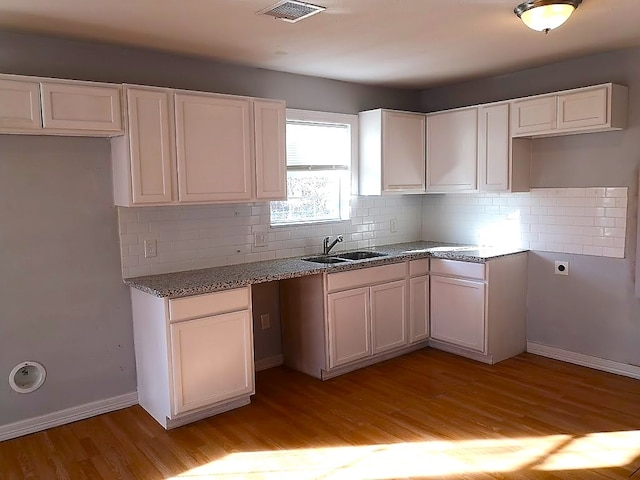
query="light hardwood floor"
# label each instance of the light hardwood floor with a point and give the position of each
(425, 415)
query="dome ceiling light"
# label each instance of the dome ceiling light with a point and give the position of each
(545, 15)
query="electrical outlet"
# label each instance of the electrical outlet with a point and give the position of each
(393, 225)
(561, 268)
(150, 248)
(265, 321)
(260, 239)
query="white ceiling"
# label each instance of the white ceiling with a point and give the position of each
(403, 43)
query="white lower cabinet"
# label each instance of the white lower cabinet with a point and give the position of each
(457, 312)
(194, 355)
(349, 325)
(419, 300)
(388, 316)
(199, 382)
(334, 323)
(478, 310)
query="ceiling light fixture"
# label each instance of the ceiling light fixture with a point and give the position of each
(545, 15)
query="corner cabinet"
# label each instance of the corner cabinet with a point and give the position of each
(599, 108)
(452, 151)
(194, 355)
(335, 323)
(478, 310)
(43, 106)
(190, 147)
(392, 152)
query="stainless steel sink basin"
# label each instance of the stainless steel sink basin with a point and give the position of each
(360, 255)
(324, 260)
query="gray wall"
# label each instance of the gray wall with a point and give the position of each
(60, 58)
(63, 302)
(592, 311)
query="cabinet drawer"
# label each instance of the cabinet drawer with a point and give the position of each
(419, 267)
(366, 276)
(208, 304)
(454, 268)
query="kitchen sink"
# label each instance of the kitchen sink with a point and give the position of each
(324, 260)
(360, 255)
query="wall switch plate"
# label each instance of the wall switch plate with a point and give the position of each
(561, 268)
(265, 321)
(150, 248)
(393, 225)
(260, 239)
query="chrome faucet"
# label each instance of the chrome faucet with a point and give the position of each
(326, 246)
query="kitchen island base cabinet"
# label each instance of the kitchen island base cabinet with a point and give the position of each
(194, 355)
(479, 310)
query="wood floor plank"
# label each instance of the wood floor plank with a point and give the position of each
(520, 419)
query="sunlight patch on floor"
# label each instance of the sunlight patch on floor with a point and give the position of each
(427, 459)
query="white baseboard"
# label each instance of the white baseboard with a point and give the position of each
(73, 414)
(584, 360)
(270, 362)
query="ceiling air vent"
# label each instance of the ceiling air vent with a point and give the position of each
(291, 11)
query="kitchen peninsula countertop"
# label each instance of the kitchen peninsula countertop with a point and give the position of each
(206, 280)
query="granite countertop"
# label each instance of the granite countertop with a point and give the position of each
(206, 280)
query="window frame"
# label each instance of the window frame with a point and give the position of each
(317, 117)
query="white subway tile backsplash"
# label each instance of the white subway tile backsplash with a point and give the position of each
(588, 221)
(201, 236)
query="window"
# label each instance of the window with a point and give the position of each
(320, 150)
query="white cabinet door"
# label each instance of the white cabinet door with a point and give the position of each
(388, 316)
(493, 148)
(452, 151)
(80, 107)
(349, 326)
(403, 152)
(533, 116)
(583, 109)
(20, 105)
(212, 360)
(457, 312)
(150, 145)
(418, 308)
(271, 161)
(214, 148)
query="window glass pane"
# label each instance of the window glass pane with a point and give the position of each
(311, 196)
(318, 144)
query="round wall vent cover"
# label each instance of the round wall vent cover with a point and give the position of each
(27, 377)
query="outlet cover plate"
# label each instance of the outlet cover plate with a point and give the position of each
(561, 268)
(260, 239)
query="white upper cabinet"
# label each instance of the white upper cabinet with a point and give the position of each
(144, 158)
(533, 115)
(591, 109)
(452, 151)
(392, 152)
(493, 148)
(81, 106)
(271, 170)
(20, 105)
(214, 147)
(193, 147)
(42, 106)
